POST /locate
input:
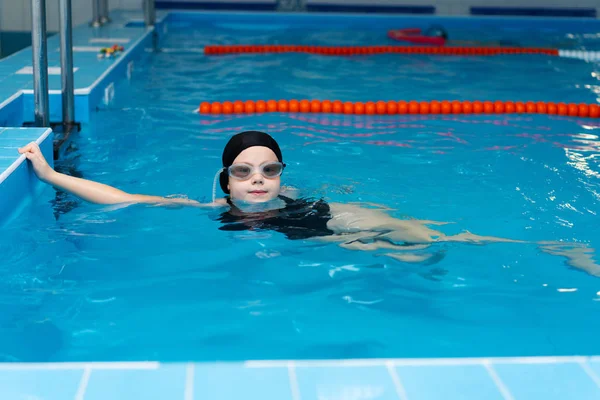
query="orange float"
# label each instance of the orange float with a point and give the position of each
(573, 110)
(271, 106)
(541, 107)
(402, 107)
(283, 106)
(413, 107)
(467, 107)
(370, 108)
(216, 108)
(509, 107)
(249, 106)
(446, 107)
(294, 106)
(337, 107)
(348, 107)
(456, 107)
(499, 107)
(562, 109)
(359, 108)
(488, 107)
(204, 107)
(227, 107)
(315, 106)
(304, 106)
(261, 106)
(392, 107)
(238, 107)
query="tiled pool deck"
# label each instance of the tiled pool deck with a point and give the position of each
(548, 378)
(405, 379)
(91, 74)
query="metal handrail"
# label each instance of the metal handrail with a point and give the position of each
(40, 62)
(149, 13)
(66, 62)
(104, 10)
(96, 18)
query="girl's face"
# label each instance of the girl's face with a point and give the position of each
(256, 188)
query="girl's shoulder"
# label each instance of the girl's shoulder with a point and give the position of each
(220, 202)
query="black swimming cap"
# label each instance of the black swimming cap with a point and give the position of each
(241, 142)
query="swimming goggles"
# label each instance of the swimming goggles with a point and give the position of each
(243, 171)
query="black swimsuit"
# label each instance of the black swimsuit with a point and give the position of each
(299, 219)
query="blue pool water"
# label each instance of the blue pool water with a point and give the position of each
(89, 282)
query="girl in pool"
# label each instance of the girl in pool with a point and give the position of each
(251, 177)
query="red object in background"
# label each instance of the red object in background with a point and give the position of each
(414, 35)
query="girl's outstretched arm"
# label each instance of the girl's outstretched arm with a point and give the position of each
(91, 191)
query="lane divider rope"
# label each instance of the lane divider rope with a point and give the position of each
(370, 50)
(393, 107)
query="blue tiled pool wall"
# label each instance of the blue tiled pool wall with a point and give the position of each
(11, 42)
(11, 114)
(20, 186)
(581, 9)
(383, 22)
(425, 379)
